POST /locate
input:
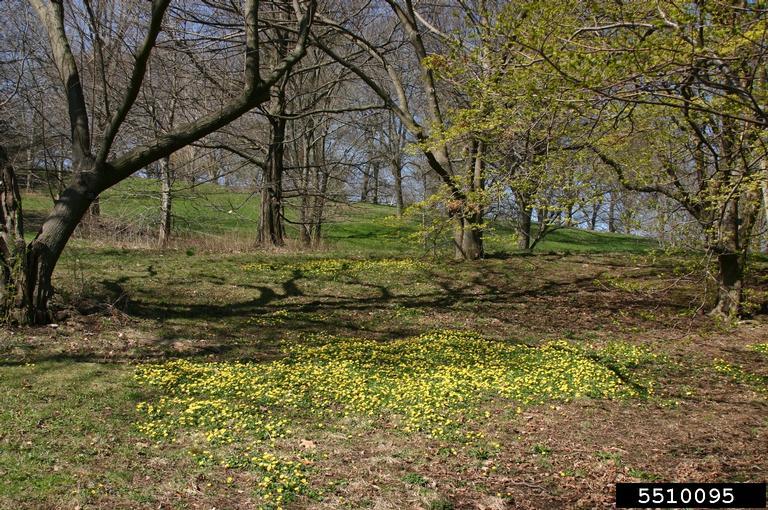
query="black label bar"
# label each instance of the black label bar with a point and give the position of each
(688, 495)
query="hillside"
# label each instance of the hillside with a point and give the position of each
(211, 212)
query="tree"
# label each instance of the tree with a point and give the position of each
(707, 167)
(699, 66)
(679, 88)
(271, 231)
(97, 168)
(382, 62)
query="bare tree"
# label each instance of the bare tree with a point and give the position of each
(97, 168)
(378, 62)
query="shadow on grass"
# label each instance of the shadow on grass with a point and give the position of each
(494, 299)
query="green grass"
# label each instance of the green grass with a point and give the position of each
(579, 241)
(61, 424)
(209, 211)
(265, 378)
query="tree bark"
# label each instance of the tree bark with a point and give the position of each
(12, 245)
(468, 239)
(468, 234)
(166, 179)
(397, 173)
(28, 268)
(524, 227)
(730, 284)
(271, 231)
(731, 246)
(271, 219)
(612, 212)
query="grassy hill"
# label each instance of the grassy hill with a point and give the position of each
(212, 212)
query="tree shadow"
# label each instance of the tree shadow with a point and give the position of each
(251, 329)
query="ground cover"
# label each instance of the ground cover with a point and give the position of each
(192, 378)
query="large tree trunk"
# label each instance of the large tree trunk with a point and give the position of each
(468, 234)
(44, 251)
(730, 284)
(271, 221)
(734, 229)
(166, 179)
(12, 245)
(27, 269)
(468, 238)
(271, 231)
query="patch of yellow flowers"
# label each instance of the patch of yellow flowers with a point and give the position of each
(275, 318)
(432, 383)
(761, 348)
(334, 267)
(739, 374)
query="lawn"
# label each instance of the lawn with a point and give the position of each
(206, 214)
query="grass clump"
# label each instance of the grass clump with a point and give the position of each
(275, 318)
(280, 480)
(433, 384)
(441, 504)
(415, 479)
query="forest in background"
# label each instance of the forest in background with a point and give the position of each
(620, 117)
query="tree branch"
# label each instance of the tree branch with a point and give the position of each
(51, 14)
(137, 78)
